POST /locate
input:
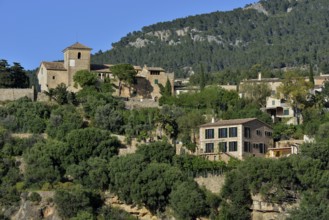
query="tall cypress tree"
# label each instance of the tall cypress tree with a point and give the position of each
(202, 78)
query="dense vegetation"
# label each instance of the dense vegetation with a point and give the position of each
(13, 76)
(78, 156)
(289, 33)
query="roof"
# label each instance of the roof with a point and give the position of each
(100, 67)
(232, 122)
(54, 66)
(155, 68)
(106, 67)
(77, 45)
(262, 80)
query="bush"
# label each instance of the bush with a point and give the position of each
(35, 197)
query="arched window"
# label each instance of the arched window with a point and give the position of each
(79, 55)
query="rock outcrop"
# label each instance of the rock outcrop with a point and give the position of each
(262, 210)
(45, 209)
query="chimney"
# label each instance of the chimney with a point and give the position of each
(259, 76)
(212, 120)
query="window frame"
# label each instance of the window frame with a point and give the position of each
(210, 135)
(211, 146)
(232, 133)
(233, 146)
(220, 132)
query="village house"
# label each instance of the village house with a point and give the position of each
(238, 138)
(273, 84)
(77, 57)
(279, 109)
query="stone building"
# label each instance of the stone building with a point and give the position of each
(77, 57)
(238, 138)
(51, 74)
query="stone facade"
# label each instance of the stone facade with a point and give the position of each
(77, 57)
(12, 94)
(238, 138)
(51, 74)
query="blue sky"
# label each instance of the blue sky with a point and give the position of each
(38, 30)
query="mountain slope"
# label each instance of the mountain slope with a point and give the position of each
(273, 33)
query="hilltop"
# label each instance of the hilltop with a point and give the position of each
(272, 33)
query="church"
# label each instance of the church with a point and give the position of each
(77, 57)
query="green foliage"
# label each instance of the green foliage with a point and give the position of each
(243, 38)
(72, 203)
(160, 152)
(62, 120)
(84, 78)
(16, 146)
(23, 115)
(45, 162)
(314, 205)
(114, 214)
(188, 201)
(194, 165)
(188, 128)
(83, 215)
(167, 119)
(61, 95)
(35, 197)
(125, 73)
(13, 76)
(9, 177)
(153, 186)
(236, 196)
(107, 117)
(140, 122)
(123, 172)
(88, 142)
(256, 92)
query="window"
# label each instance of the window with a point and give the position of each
(209, 133)
(209, 147)
(247, 147)
(233, 132)
(222, 146)
(79, 55)
(156, 81)
(247, 133)
(233, 146)
(155, 72)
(255, 146)
(222, 132)
(259, 132)
(273, 102)
(53, 77)
(273, 92)
(286, 112)
(268, 133)
(262, 148)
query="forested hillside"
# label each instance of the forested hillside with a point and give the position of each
(272, 33)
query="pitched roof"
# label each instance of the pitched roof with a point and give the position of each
(231, 122)
(54, 66)
(77, 45)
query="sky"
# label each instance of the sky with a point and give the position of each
(38, 30)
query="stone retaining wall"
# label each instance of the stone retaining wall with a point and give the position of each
(12, 94)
